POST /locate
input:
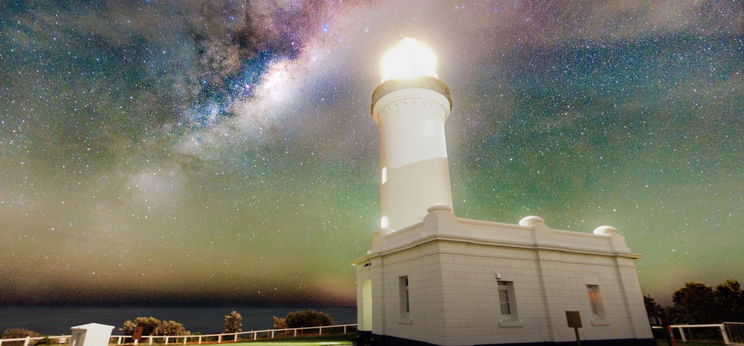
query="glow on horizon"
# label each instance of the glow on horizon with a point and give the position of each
(408, 59)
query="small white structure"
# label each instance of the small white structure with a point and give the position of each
(433, 278)
(91, 334)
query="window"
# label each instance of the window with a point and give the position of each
(595, 299)
(405, 306)
(506, 300)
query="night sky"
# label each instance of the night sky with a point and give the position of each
(185, 152)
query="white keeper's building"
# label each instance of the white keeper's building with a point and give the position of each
(434, 278)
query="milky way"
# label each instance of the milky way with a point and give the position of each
(223, 152)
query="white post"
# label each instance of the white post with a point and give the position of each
(150, 339)
(236, 337)
(219, 339)
(272, 333)
(724, 334)
(320, 331)
(199, 339)
(344, 329)
(184, 340)
(166, 340)
(682, 334)
(28, 340)
(255, 335)
(295, 332)
(118, 340)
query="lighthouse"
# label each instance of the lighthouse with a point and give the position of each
(431, 277)
(410, 107)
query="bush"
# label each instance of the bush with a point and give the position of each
(45, 341)
(279, 322)
(148, 324)
(13, 333)
(308, 318)
(170, 328)
(153, 326)
(233, 323)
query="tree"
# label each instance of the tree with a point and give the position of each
(654, 311)
(233, 323)
(730, 299)
(308, 318)
(170, 328)
(696, 303)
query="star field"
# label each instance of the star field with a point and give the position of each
(210, 152)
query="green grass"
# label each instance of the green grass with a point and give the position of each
(689, 343)
(342, 339)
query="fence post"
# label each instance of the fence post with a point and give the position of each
(184, 340)
(295, 332)
(236, 337)
(320, 331)
(199, 339)
(166, 340)
(255, 335)
(272, 334)
(682, 334)
(724, 334)
(344, 329)
(150, 340)
(219, 339)
(27, 341)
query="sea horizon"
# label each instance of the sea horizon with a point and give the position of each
(57, 319)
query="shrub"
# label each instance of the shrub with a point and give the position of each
(45, 341)
(279, 322)
(233, 323)
(13, 333)
(148, 324)
(308, 318)
(170, 328)
(153, 326)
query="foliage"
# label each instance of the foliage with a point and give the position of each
(45, 341)
(233, 323)
(730, 298)
(307, 318)
(153, 326)
(170, 328)
(148, 324)
(696, 303)
(12, 333)
(279, 322)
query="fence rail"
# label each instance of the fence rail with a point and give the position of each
(732, 333)
(204, 338)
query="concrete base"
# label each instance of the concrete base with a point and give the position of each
(381, 340)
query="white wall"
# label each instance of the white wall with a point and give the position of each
(453, 283)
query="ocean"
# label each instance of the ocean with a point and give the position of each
(57, 320)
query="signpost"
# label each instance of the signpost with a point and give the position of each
(574, 321)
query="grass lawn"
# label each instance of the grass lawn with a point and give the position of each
(343, 339)
(690, 343)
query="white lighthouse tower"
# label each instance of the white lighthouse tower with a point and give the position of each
(410, 108)
(434, 278)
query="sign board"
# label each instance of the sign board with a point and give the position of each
(574, 319)
(137, 334)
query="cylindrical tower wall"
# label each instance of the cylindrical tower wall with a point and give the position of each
(413, 155)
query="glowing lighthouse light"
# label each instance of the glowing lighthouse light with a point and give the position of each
(408, 59)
